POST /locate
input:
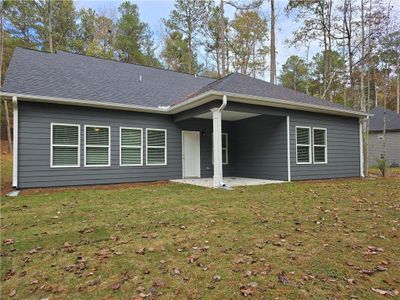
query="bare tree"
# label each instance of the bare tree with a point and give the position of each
(50, 16)
(272, 48)
(222, 37)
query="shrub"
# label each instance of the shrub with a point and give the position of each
(382, 166)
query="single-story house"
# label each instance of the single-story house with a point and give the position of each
(376, 140)
(82, 120)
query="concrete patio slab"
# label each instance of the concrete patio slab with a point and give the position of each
(229, 181)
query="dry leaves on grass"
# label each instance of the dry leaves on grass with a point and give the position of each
(86, 230)
(8, 241)
(248, 289)
(392, 292)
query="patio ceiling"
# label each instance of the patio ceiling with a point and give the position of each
(228, 115)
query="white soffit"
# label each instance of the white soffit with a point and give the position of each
(229, 115)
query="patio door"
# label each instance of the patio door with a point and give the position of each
(191, 154)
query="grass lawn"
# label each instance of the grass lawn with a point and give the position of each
(325, 239)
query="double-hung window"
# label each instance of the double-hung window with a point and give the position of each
(303, 145)
(97, 146)
(130, 146)
(320, 146)
(156, 147)
(65, 145)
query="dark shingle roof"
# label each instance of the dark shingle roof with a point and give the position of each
(75, 76)
(82, 77)
(244, 84)
(376, 121)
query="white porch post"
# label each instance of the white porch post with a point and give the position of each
(217, 146)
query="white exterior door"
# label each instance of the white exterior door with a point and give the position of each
(191, 154)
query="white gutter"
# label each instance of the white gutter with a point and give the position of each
(15, 142)
(193, 102)
(90, 103)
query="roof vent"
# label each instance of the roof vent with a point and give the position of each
(140, 78)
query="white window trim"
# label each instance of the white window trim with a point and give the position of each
(58, 145)
(98, 146)
(304, 145)
(222, 148)
(156, 147)
(325, 146)
(133, 147)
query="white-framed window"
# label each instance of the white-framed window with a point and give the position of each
(97, 146)
(320, 147)
(303, 145)
(65, 145)
(225, 154)
(156, 147)
(130, 146)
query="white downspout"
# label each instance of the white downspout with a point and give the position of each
(217, 143)
(289, 171)
(15, 142)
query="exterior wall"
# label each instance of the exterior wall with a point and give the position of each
(35, 141)
(375, 148)
(257, 146)
(34, 146)
(343, 141)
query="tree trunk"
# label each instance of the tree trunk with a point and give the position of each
(1, 42)
(222, 37)
(398, 88)
(272, 76)
(362, 92)
(50, 16)
(8, 126)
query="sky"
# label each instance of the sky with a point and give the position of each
(152, 11)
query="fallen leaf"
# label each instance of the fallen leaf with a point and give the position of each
(86, 230)
(392, 293)
(216, 278)
(12, 293)
(283, 279)
(8, 241)
(116, 286)
(140, 251)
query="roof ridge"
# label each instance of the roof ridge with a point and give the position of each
(135, 64)
(113, 60)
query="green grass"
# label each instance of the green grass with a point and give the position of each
(6, 172)
(317, 233)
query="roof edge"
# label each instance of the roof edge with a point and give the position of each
(193, 102)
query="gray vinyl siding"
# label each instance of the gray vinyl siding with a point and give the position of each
(34, 146)
(343, 141)
(257, 146)
(375, 147)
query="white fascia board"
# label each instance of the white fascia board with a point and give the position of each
(194, 102)
(88, 103)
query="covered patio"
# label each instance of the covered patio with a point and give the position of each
(228, 181)
(224, 145)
